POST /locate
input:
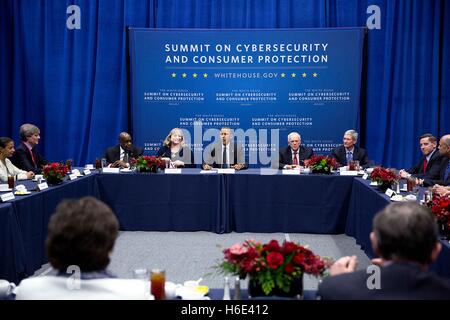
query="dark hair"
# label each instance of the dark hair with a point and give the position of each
(82, 233)
(4, 141)
(406, 231)
(430, 137)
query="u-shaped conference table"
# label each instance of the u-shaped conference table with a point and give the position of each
(253, 200)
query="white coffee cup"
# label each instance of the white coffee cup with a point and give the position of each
(4, 187)
(6, 288)
(411, 197)
(21, 187)
(171, 290)
(188, 293)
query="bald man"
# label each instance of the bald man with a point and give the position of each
(120, 155)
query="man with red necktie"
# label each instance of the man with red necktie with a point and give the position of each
(26, 156)
(293, 155)
(443, 179)
(428, 165)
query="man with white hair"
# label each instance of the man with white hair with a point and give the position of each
(26, 157)
(294, 154)
(349, 151)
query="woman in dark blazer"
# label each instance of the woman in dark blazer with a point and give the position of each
(181, 155)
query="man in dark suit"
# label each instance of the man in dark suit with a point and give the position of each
(429, 163)
(443, 178)
(26, 157)
(349, 151)
(405, 238)
(224, 154)
(294, 154)
(120, 155)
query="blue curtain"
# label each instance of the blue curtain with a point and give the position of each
(73, 83)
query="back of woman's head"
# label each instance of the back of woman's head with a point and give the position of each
(81, 233)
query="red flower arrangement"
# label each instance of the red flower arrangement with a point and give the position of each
(321, 164)
(271, 265)
(440, 206)
(148, 163)
(383, 176)
(55, 172)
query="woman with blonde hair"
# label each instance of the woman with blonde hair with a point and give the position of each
(175, 148)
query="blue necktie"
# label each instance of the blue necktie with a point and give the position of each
(224, 157)
(349, 157)
(447, 171)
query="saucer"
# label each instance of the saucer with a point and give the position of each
(22, 193)
(189, 294)
(397, 198)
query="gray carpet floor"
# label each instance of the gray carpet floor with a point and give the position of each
(192, 255)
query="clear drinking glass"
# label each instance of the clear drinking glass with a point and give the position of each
(144, 275)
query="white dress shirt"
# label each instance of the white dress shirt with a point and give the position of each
(65, 288)
(12, 170)
(228, 153)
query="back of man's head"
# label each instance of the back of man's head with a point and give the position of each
(81, 233)
(405, 231)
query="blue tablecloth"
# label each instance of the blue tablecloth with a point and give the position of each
(243, 202)
(287, 203)
(217, 294)
(366, 201)
(27, 218)
(165, 202)
(12, 252)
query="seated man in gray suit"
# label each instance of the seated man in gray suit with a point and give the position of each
(405, 239)
(349, 151)
(293, 155)
(225, 153)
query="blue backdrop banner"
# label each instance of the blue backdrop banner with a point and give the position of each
(263, 84)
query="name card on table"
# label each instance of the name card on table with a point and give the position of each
(86, 172)
(389, 192)
(172, 171)
(7, 196)
(365, 176)
(42, 186)
(287, 171)
(73, 176)
(111, 170)
(76, 172)
(208, 171)
(226, 171)
(349, 173)
(89, 167)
